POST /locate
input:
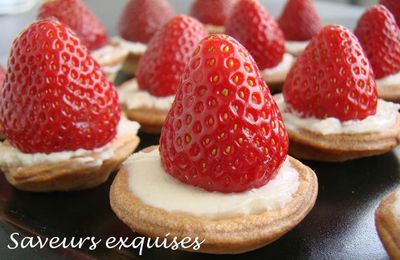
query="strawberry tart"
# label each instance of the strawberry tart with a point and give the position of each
(212, 13)
(139, 22)
(379, 36)
(299, 22)
(330, 105)
(60, 115)
(148, 98)
(255, 28)
(387, 220)
(221, 172)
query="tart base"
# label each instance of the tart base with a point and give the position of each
(232, 235)
(151, 120)
(388, 226)
(72, 174)
(307, 145)
(131, 63)
(390, 92)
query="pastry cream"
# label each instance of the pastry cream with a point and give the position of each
(385, 117)
(12, 157)
(278, 73)
(132, 97)
(153, 186)
(296, 47)
(132, 47)
(214, 28)
(388, 81)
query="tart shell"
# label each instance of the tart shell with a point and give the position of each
(151, 120)
(71, 175)
(390, 92)
(232, 235)
(388, 226)
(308, 145)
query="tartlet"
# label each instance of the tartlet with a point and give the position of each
(379, 36)
(387, 220)
(148, 98)
(222, 236)
(65, 132)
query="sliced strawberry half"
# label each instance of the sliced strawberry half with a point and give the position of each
(379, 36)
(332, 78)
(141, 19)
(251, 24)
(79, 18)
(55, 97)
(161, 66)
(224, 131)
(299, 20)
(212, 12)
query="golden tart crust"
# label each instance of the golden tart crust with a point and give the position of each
(388, 226)
(232, 235)
(390, 92)
(71, 175)
(308, 145)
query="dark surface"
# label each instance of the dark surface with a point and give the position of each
(341, 225)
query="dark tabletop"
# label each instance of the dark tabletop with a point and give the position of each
(341, 225)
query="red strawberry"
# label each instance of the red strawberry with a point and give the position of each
(379, 36)
(55, 97)
(394, 7)
(141, 19)
(253, 27)
(79, 18)
(299, 20)
(161, 66)
(212, 12)
(224, 132)
(2, 75)
(332, 78)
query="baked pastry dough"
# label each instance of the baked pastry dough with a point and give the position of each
(388, 224)
(73, 174)
(230, 235)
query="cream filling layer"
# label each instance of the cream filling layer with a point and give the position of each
(385, 117)
(296, 47)
(137, 48)
(11, 157)
(132, 97)
(388, 81)
(153, 186)
(278, 73)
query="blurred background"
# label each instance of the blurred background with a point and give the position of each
(15, 15)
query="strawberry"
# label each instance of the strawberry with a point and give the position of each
(55, 97)
(299, 20)
(2, 75)
(141, 19)
(212, 12)
(253, 27)
(379, 36)
(79, 18)
(332, 78)
(161, 66)
(224, 132)
(394, 7)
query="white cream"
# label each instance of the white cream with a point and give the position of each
(137, 48)
(109, 54)
(12, 157)
(385, 117)
(214, 28)
(153, 186)
(278, 73)
(388, 81)
(132, 97)
(296, 47)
